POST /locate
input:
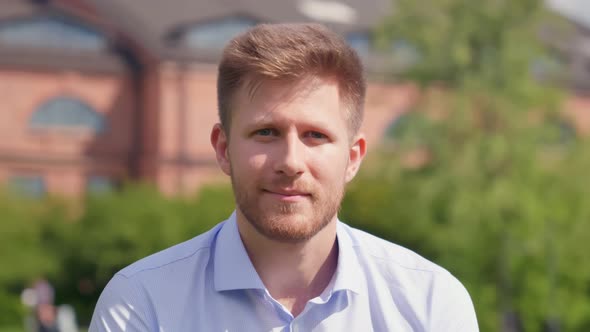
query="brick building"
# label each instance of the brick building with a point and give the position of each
(96, 92)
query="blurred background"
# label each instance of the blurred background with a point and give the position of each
(477, 119)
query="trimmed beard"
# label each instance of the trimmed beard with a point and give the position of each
(285, 221)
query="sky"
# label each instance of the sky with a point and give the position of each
(578, 10)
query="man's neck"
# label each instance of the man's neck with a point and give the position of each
(293, 273)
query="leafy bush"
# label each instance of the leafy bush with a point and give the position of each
(78, 247)
(503, 210)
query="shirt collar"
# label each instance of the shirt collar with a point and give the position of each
(348, 274)
(232, 268)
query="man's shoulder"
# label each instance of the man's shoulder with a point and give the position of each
(389, 254)
(178, 254)
(430, 293)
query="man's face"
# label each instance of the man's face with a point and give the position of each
(289, 155)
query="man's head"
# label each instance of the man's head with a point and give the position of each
(291, 98)
(290, 52)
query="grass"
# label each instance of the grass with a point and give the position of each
(12, 329)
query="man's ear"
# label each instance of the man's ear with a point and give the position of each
(220, 145)
(357, 152)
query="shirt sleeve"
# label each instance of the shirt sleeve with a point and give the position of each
(121, 307)
(452, 308)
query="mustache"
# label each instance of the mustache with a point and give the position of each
(298, 185)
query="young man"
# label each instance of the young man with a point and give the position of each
(290, 107)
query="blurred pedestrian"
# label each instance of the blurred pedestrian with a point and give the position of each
(45, 311)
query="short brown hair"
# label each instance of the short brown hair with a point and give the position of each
(291, 52)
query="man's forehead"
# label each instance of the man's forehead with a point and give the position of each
(285, 90)
(274, 92)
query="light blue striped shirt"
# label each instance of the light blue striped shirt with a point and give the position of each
(209, 284)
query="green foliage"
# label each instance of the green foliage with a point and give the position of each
(498, 193)
(485, 176)
(460, 42)
(79, 248)
(10, 307)
(499, 207)
(22, 225)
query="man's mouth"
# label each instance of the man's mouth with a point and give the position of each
(287, 194)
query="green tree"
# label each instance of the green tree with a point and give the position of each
(117, 229)
(79, 245)
(24, 249)
(485, 177)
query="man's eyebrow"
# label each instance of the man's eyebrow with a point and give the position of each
(261, 122)
(265, 119)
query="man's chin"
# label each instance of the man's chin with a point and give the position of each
(289, 235)
(286, 216)
(291, 227)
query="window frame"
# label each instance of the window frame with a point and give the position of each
(45, 31)
(45, 118)
(187, 36)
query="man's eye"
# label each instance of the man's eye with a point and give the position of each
(265, 132)
(316, 135)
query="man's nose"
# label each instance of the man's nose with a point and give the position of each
(291, 156)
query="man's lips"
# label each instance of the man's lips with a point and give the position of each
(287, 194)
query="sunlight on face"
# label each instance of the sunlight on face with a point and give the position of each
(289, 157)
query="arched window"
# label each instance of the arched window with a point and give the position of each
(50, 32)
(215, 35)
(67, 112)
(99, 184)
(29, 185)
